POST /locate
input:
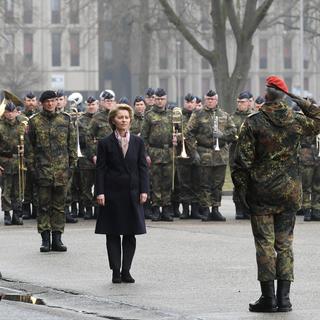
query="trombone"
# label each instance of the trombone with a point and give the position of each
(76, 112)
(176, 123)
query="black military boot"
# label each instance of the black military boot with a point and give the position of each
(81, 212)
(267, 302)
(185, 211)
(7, 218)
(205, 213)
(307, 214)
(147, 210)
(88, 214)
(239, 212)
(283, 291)
(69, 217)
(16, 218)
(195, 211)
(176, 211)
(156, 214)
(300, 212)
(167, 214)
(57, 244)
(74, 209)
(315, 215)
(216, 214)
(45, 246)
(26, 211)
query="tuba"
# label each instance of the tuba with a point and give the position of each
(76, 112)
(8, 96)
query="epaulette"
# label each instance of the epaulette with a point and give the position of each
(252, 114)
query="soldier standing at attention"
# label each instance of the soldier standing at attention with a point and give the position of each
(62, 101)
(10, 131)
(139, 106)
(243, 110)
(86, 167)
(157, 135)
(149, 98)
(266, 176)
(208, 134)
(51, 158)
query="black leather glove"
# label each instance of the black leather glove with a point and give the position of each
(196, 159)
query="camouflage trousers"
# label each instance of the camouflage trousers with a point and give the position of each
(73, 194)
(10, 192)
(311, 186)
(211, 183)
(30, 192)
(273, 237)
(161, 178)
(87, 177)
(51, 208)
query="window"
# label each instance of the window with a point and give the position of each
(287, 53)
(74, 49)
(56, 49)
(163, 83)
(180, 63)
(28, 48)
(27, 11)
(8, 11)
(163, 56)
(9, 49)
(55, 11)
(74, 11)
(263, 53)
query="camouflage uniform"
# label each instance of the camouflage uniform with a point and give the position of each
(199, 138)
(266, 175)
(238, 118)
(136, 125)
(51, 158)
(157, 135)
(310, 174)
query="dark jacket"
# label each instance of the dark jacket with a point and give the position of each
(121, 180)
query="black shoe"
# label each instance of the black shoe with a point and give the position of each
(166, 214)
(195, 211)
(88, 214)
(7, 218)
(283, 291)
(74, 209)
(156, 214)
(216, 215)
(267, 302)
(176, 210)
(57, 244)
(26, 211)
(116, 276)
(81, 212)
(300, 212)
(126, 277)
(307, 214)
(69, 217)
(315, 215)
(185, 211)
(241, 212)
(16, 218)
(205, 213)
(45, 246)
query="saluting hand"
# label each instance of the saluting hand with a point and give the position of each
(101, 200)
(143, 197)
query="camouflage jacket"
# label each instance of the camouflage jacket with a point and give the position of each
(84, 121)
(10, 137)
(266, 160)
(136, 125)
(199, 136)
(52, 151)
(308, 153)
(157, 134)
(98, 129)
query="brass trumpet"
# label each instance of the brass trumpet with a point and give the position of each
(76, 112)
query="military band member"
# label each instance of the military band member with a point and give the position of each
(62, 101)
(51, 158)
(208, 133)
(10, 131)
(198, 103)
(258, 103)
(149, 98)
(240, 115)
(157, 134)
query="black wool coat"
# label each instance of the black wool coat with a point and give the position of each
(121, 179)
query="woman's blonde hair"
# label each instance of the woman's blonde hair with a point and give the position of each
(113, 113)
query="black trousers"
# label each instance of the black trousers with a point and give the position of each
(114, 251)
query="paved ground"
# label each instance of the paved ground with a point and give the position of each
(183, 270)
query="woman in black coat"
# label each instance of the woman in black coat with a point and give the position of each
(121, 187)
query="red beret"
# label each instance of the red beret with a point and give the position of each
(276, 82)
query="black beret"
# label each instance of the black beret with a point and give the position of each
(124, 100)
(245, 95)
(189, 97)
(29, 95)
(49, 94)
(260, 100)
(91, 99)
(160, 92)
(198, 100)
(149, 92)
(138, 99)
(60, 93)
(10, 106)
(107, 95)
(211, 93)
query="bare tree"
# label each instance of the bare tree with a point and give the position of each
(244, 21)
